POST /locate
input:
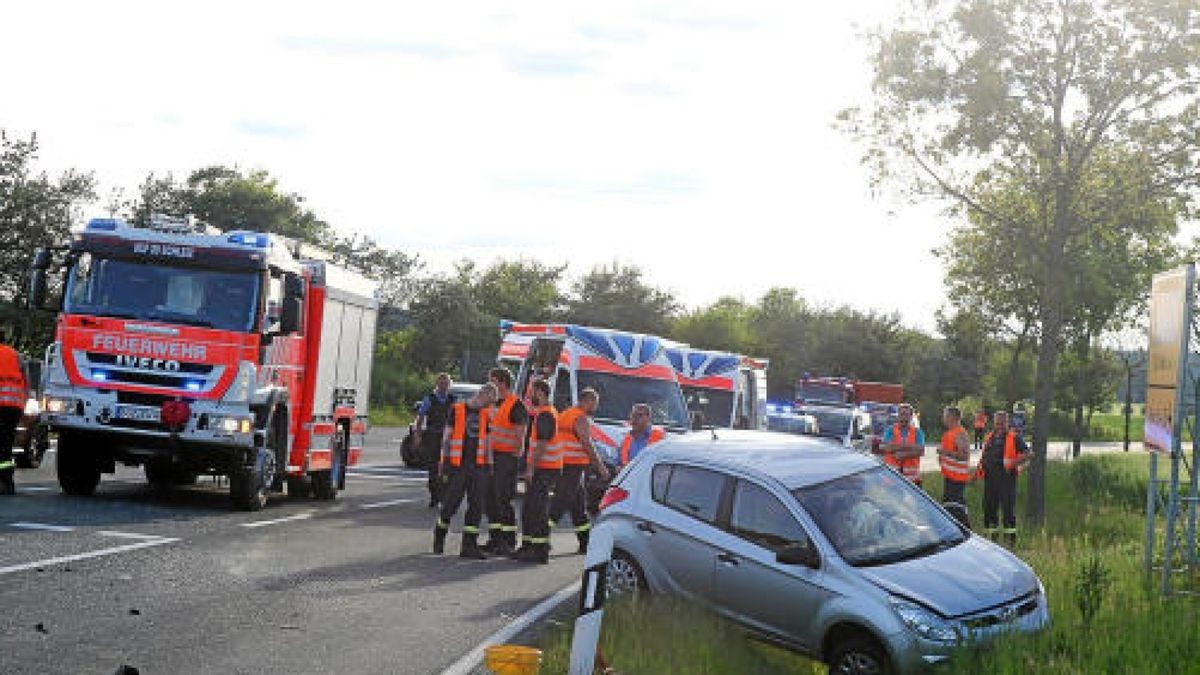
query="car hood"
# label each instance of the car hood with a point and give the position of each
(970, 577)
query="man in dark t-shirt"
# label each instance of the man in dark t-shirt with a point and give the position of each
(542, 469)
(507, 426)
(465, 461)
(427, 432)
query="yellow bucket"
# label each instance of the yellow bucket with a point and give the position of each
(512, 660)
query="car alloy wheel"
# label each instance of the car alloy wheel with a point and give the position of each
(857, 663)
(624, 577)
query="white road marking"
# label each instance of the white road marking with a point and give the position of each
(33, 488)
(128, 535)
(42, 526)
(472, 660)
(392, 502)
(84, 556)
(276, 521)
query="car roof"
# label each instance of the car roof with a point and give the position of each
(795, 461)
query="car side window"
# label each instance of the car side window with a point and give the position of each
(759, 516)
(696, 492)
(658, 481)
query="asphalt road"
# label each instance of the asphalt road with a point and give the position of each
(181, 583)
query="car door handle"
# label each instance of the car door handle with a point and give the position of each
(645, 527)
(728, 559)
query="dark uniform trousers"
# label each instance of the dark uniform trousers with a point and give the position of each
(502, 489)
(954, 500)
(431, 454)
(569, 496)
(464, 481)
(999, 495)
(535, 518)
(9, 417)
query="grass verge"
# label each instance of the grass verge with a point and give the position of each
(1107, 616)
(390, 416)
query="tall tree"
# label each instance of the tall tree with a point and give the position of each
(617, 297)
(723, 325)
(36, 210)
(1031, 93)
(519, 290)
(781, 331)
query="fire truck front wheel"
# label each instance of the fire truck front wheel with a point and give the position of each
(249, 485)
(78, 468)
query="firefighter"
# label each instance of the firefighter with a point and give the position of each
(13, 392)
(507, 427)
(427, 433)
(954, 456)
(575, 440)
(543, 466)
(981, 422)
(464, 462)
(903, 445)
(1004, 453)
(641, 434)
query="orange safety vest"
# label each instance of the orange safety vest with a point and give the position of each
(980, 420)
(656, 435)
(552, 459)
(504, 435)
(957, 470)
(571, 445)
(458, 435)
(12, 379)
(910, 468)
(1012, 458)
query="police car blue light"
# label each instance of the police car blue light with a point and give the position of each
(193, 385)
(99, 375)
(254, 239)
(106, 224)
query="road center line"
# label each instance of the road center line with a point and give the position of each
(128, 535)
(391, 502)
(276, 521)
(33, 488)
(42, 526)
(473, 659)
(84, 556)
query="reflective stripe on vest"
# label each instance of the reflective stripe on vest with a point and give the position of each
(458, 435)
(504, 435)
(12, 379)
(953, 469)
(911, 467)
(552, 459)
(570, 444)
(656, 435)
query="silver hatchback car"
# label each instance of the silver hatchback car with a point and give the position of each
(820, 548)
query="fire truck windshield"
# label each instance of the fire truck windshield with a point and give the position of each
(193, 296)
(819, 393)
(716, 404)
(618, 393)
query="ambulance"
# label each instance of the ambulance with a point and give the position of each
(729, 390)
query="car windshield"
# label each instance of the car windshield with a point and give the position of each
(618, 393)
(716, 404)
(834, 423)
(876, 517)
(821, 394)
(194, 296)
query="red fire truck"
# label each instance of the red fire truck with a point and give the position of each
(189, 351)
(846, 391)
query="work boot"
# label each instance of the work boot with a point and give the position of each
(583, 537)
(470, 548)
(7, 486)
(439, 540)
(533, 553)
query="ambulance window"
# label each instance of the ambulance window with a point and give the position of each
(562, 390)
(274, 302)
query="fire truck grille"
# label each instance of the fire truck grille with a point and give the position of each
(185, 368)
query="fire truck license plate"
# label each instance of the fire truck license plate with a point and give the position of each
(140, 413)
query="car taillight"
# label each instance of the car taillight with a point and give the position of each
(614, 495)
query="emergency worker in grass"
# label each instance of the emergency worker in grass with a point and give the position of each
(543, 467)
(427, 433)
(642, 434)
(13, 392)
(1004, 453)
(507, 427)
(574, 438)
(954, 457)
(903, 445)
(465, 460)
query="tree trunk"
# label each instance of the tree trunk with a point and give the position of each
(1014, 368)
(1077, 441)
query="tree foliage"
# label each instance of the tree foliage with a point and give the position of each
(1014, 110)
(616, 296)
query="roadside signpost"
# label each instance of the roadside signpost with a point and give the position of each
(1172, 303)
(591, 601)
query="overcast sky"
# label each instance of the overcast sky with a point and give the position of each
(693, 140)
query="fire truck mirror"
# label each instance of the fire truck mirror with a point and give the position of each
(293, 286)
(37, 289)
(289, 318)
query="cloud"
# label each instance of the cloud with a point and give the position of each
(648, 184)
(625, 36)
(266, 129)
(336, 46)
(704, 22)
(545, 63)
(649, 89)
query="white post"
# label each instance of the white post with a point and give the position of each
(591, 601)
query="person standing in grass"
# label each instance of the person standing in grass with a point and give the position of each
(1004, 453)
(981, 421)
(954, 457)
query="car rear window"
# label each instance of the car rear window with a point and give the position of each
(696, 492)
